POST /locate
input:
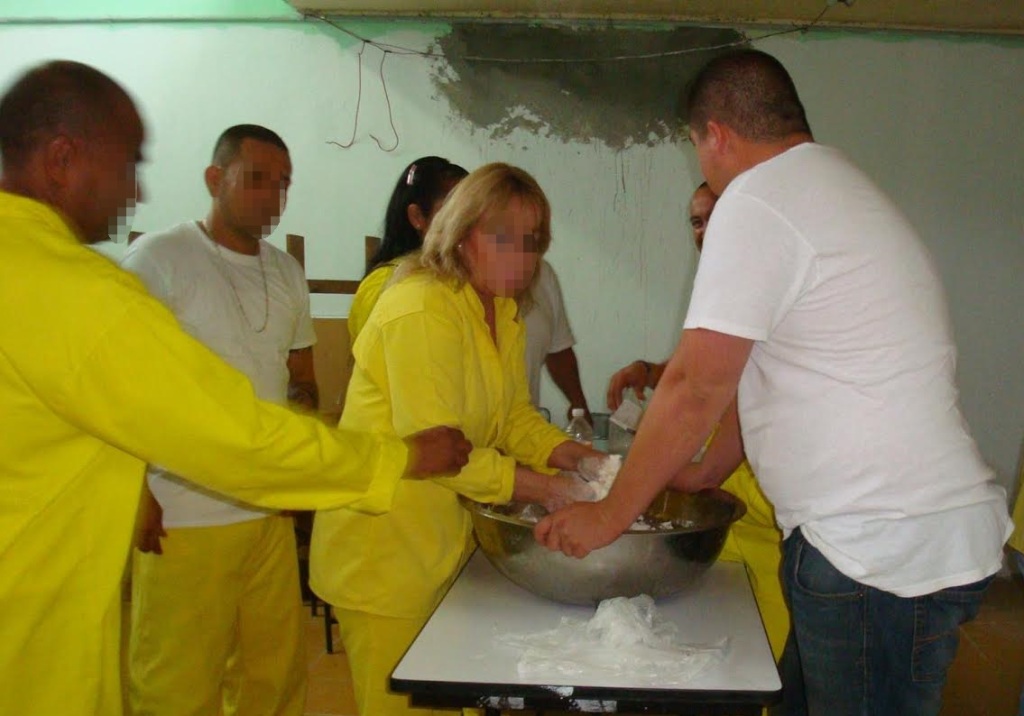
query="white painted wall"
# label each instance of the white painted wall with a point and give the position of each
(936, 121)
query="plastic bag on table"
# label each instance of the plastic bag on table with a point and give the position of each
(625, 637)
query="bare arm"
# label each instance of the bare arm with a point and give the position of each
(552, 491)
(564, 370)
(638, 376)
(150, 525)
(302, 379)
(568, 455)
(697, 387)
(723, 456)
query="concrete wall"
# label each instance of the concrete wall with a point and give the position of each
(935, 120)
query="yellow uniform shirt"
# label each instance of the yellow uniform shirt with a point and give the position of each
(366, 298)
(96, 379)
(425, 358)
(760, 514)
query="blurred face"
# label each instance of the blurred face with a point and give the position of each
(701, 205)
(250, 193)
(502, 250)
(101, 188)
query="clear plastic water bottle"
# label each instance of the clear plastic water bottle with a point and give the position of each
(579, 429)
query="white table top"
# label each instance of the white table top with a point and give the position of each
(456, 652)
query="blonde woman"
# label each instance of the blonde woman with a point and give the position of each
(443, 346)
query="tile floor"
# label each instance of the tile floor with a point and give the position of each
(330, 686)
(985, 679)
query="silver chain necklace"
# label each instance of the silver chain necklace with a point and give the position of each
(226, 272)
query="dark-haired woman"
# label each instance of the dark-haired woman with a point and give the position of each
(421, 190)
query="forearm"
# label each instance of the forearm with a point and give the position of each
(723, 456)
(702, 475)
(305, 394)
(530, 486)
(652, 373)
(529, 438)
(302, 388)
(565, 373)
(214, 432)
(674, 427)
(569, 453)
(693, 393)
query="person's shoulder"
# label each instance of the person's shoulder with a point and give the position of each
(59, 265)
(178, 240)
(546, 290)
(283, 257)
(88, 277)
(376, 279)
(418, 292)
(288, 264)
(796, 162)
(421, 286)
(547, 276)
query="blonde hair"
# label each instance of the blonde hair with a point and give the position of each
(490, 188)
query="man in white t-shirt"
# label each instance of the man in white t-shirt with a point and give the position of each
(216, 608)
(549, 341)
(836, 336)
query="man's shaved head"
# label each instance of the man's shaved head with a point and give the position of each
(70, 137)
(60, 97)
(751, 92)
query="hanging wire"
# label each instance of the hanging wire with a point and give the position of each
(401, 50)
(391, 118)
(388, 48)
(359, 100)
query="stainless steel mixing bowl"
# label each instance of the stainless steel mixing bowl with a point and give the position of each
(658, 562)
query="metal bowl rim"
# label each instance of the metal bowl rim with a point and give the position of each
(739, 509)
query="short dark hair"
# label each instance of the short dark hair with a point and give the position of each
(421, 183)
(58, 96)
(229, 143)
(749, 91)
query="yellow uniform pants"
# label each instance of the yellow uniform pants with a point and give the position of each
(374, 645)
(216, 623)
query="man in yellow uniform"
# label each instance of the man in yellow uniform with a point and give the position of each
(754, 540)
(97, 379)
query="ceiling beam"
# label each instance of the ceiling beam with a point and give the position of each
(1005, 17)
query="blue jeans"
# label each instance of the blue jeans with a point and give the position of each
(861, 651)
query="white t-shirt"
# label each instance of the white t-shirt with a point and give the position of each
(547, 326)
(198, 281)
(848, 404)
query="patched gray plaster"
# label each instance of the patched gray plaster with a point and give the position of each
(618, 102)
